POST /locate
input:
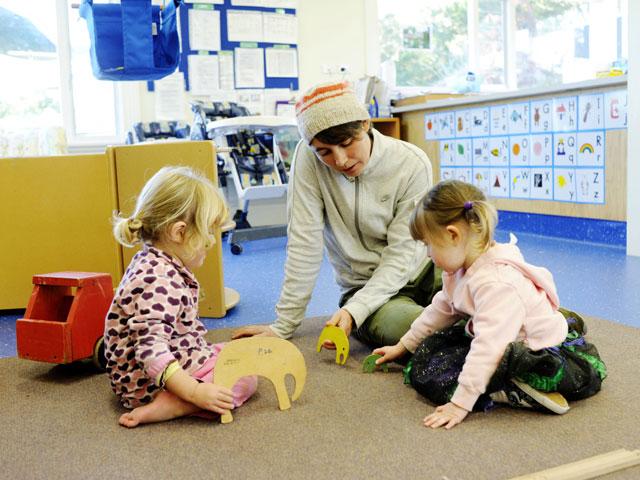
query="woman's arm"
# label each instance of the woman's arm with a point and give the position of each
(305, 242)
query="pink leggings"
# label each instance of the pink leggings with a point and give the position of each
(242, 390)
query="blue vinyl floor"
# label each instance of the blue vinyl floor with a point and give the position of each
(595, 280)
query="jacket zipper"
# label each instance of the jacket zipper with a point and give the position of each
(357, 217)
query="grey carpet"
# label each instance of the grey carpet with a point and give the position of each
(61, 422)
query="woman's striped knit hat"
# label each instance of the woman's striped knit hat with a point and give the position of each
(325, 106)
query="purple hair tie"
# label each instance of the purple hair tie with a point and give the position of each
(468, 205)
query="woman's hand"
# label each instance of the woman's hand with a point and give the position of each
(448, 415)
(215, 398)
(253, 330)
(390, 353)
(341, 319)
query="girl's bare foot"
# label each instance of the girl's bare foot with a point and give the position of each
(166, 406)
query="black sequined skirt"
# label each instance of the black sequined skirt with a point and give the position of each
(573, 368)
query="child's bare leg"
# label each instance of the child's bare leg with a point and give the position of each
(166, 406)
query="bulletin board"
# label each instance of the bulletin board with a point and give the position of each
(562, 154)
(238, 47)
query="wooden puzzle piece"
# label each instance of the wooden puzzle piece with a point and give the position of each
(369, 364)
(269, 357)
(339, 339)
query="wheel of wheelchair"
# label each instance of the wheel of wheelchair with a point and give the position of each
(236, 248)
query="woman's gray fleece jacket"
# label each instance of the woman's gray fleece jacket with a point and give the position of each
(362, 221)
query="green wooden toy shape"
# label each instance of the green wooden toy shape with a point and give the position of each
(270, 357)
(369, 364)
(339, 339)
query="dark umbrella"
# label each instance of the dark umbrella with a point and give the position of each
(19, 34)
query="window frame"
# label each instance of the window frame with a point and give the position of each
(508, 43)
(123, 94)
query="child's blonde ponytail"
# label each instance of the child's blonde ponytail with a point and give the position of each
(127, 230)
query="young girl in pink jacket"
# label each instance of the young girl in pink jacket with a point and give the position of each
(495, 332)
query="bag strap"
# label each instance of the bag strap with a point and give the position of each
(137, 38)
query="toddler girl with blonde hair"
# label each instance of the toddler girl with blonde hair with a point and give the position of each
(159, 363)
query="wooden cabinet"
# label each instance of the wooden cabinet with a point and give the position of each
(387, 126)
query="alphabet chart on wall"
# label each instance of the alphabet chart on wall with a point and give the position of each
(539, 149)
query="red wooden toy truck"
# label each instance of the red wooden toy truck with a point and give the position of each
(64, 321)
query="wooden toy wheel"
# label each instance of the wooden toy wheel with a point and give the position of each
(98, 358)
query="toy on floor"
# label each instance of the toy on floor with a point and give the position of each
(64, 320)
(339, 339)
(268, 357)
(369, 364)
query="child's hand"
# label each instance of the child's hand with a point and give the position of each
(390, 353)
(253, 330)
(448, 415)
(213, 397)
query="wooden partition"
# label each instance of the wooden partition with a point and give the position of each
(413, 114)
(135, 164)
(56, 216)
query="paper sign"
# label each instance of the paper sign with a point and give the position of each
(280, 28)
(518, 117)
(564, 184)
(590, 185)
(499, 182)
(281, 62)
(499, 151)
(499, 125)
(481, 151)
(520, 182)
(204, 29)
(590, 111)
(590, 148)
(463, 123)
(541, 184)
(542, 115)
(520, 150)
(204, 77)
(482, 180)
(244, 26)
(249, 67)
(479, 122)
(615, 109)
(565, 113)
(565, 149)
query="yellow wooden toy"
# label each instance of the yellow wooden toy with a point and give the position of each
(269, 357)
(339, 339)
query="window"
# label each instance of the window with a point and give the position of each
(493, 45)
(567, 41)
(47, 79)
(446, 56)
(30, 92)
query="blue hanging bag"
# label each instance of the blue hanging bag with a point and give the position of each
(133, 40)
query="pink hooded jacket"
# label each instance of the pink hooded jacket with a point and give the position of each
(508, 300)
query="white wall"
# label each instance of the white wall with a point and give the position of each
(633, 142)
(331, 33)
